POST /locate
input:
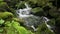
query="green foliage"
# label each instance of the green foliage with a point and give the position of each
(1, 30)
(38, 11)
(21, 30)
(42, 29)
(3, 5)
(52, 22)
(15, 28)
(42, 2)
(53, 12)
(58, 21)
(1, 21)
(38, 3)
(12, 3)
(20, 5)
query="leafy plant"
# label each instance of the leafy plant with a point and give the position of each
(15, 28)
(1, 21)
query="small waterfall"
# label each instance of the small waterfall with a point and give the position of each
(24, 12)
(26, 5)
(31, 20)
(46, 20)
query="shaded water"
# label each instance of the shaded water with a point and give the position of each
(30, 19)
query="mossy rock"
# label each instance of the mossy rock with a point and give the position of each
(4, 15)
(38, 9)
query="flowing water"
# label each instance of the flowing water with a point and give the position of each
(31, 20)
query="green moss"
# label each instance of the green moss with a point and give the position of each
(5, 15)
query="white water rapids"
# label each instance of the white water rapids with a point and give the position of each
(30, 19)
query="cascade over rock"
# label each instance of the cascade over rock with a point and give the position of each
(30, 19)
